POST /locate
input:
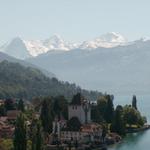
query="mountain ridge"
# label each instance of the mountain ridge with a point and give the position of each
(121, 69)
(23, 49)
(4, 56)
(18, 81)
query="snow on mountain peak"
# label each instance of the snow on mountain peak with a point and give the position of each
(113, 37)
(35, 47)
(56, 42)
(16, 48)
(108, 40)
(145, 38)
(28, 48)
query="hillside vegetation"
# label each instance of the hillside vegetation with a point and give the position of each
(17, 81)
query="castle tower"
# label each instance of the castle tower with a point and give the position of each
(80, 108)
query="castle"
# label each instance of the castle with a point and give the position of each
(89, 131)
(80, 108)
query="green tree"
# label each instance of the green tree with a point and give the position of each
(20, 138)
(2, 110)
(21, 81)
(130, 115)
(134, 102)
(74, 124)
(60, 107)
(21, 105)
(109, 112)
(9, 104)
(118, 124)
(133, 116)
(37, 136)
(96, 115)
(102, 106)
(6, 144)
(46, 115)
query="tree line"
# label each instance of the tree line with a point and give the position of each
(34, 137)
(119, 118)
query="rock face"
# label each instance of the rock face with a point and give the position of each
(16, 48)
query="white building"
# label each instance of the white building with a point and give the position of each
(81, 109)
(57, 126)
(88, 132)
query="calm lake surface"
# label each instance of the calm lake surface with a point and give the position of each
(136, 141)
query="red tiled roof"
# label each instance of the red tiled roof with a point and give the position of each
(12, 114)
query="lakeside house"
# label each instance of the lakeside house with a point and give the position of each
(81, 109)
(88, 132)
(91, 132)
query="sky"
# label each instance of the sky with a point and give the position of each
(74, 20)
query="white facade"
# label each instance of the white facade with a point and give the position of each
(57, 125)
(68, 135)
(82, 112)
(80, 136)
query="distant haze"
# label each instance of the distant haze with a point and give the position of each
(107, 63)
(102, 45)
(75, 20)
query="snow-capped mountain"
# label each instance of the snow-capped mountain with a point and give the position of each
(122, 69)
(107, 63)
(57, 43)
(23, 49)
(16, 48)
(108, 40)
(37, 47)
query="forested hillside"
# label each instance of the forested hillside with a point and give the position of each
(17, 81)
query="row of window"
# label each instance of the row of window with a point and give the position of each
(74, 107)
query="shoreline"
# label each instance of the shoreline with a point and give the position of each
(144, 128)
(130, 131)
(110, 142)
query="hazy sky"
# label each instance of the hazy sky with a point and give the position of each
(74, 20)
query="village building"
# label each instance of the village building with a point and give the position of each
(81, 109)
(88, 133)
(12, 114)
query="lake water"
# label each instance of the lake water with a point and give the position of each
(136, 141)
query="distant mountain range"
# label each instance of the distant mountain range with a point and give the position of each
(120, 70)
(23, 49)
(108, 63)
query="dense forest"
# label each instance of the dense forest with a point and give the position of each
(17, 81)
